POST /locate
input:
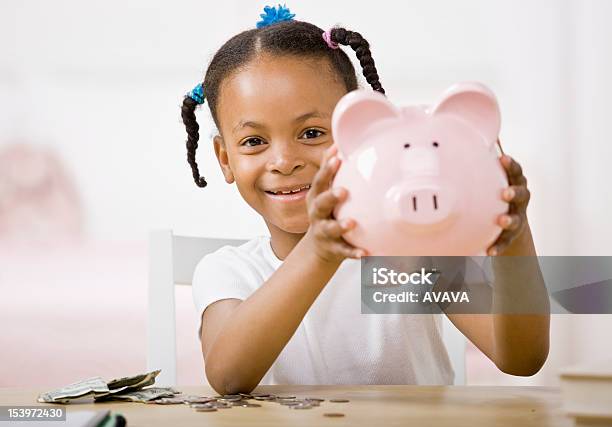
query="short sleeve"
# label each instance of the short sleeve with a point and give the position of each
(216, 277)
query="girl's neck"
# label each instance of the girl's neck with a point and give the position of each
(282, 242)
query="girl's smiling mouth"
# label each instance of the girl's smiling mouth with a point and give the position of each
(289, 194)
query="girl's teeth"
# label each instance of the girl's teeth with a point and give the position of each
(294, 191)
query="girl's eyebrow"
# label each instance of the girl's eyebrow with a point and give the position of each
(249, 123)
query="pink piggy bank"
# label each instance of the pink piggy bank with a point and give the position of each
(421, 180)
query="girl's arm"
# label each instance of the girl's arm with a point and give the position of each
(242, 339)
(518, 344)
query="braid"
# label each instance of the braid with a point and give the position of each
(189, 119)
(362, 49)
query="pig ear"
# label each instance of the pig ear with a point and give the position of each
(357, 111)
(474, 103)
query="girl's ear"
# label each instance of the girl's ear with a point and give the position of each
(355, 113)
(222, 158)
(475, 104)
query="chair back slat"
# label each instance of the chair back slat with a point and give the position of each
(188, 251)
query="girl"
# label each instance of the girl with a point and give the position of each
(285, 309)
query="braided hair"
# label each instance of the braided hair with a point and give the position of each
(288, 38)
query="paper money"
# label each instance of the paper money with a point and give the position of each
(91, 386)
(142, 395)
(126, 384)
(138, 380)
(98, 388)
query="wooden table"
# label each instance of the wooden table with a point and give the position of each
(377, 406)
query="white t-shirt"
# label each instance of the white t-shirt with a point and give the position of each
(334, 343)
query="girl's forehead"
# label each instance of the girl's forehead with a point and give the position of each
(281, 84)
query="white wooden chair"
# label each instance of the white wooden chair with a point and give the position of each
(172, 261)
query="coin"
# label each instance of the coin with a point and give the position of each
(338, 400)
(220, 405)
(201, 405)
(168, 401)
(265, 397)
(242, 403)
(197, 399)
(333, 414)
(315, 399)
(301, 406)
(289, 403)
(206, 409)
(189, 402)
(229, 398)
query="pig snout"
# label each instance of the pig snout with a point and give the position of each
(421, 205)
(423, 200)
(425, 205)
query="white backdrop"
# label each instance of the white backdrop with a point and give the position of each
(102, 83)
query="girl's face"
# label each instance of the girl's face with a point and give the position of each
(275, 120)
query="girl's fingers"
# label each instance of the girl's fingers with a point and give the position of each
(331, 150)
(493, 251)
(509, 221)
(512, 224)
(348, 251)
(500, 244)
(327, 154)
(323, 177)
(512, 166)
(516, 194)
(513, 170)
(323, 205)
(335, 229)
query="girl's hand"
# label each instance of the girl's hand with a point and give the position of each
(517, 195)
(325, 232)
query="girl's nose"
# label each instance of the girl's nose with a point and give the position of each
(286, 160)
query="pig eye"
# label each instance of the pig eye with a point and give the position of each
(435, 144)
(406, 145)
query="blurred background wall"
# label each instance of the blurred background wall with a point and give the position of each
(97, 86)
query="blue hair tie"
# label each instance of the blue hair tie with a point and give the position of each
(272, 15)
(197, 94)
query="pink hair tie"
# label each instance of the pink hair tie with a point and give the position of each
(328, 40)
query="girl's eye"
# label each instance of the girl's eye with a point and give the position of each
(312, 133)
(251, 140)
